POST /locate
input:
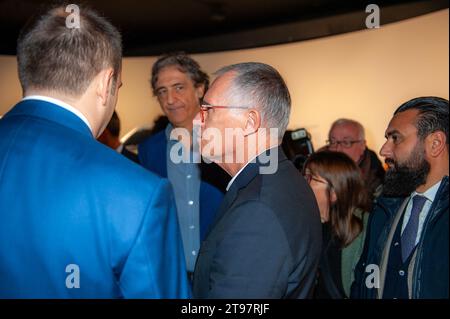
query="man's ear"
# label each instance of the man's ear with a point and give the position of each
(435, 143)
(253, 122)
(104, 86)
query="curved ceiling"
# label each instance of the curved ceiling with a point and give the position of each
(197, 26)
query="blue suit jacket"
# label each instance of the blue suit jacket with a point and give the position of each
(152, 155)
(66, 199)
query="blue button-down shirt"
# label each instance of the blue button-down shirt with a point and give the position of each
(185, 180)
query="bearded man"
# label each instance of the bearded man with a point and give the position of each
(406, 249)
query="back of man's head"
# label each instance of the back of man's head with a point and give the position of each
(433, 115)
(59, 57)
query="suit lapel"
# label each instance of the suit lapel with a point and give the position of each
(227, 201)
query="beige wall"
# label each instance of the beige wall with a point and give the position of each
(362, 75)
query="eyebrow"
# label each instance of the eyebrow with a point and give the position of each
(171, 85)
(390, 133)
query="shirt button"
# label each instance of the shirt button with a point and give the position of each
(194, 253)
(191, 202)
(396, 244)
(191, 227)
(401, 273)
(189, 176)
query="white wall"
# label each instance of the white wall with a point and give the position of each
(362, 75)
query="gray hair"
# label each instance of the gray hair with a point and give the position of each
(185, 64)
(260, 84)
(359, 127)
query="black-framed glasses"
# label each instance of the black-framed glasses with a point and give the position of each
(344, 143)
(206, 107)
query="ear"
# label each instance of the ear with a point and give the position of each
(333, 196)
(253, 122)
(435, 143)
(104, 85)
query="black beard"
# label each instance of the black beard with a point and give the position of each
(403, 179)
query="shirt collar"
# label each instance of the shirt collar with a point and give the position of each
(167, 131)
(240, 171)
(430, 193)
(235, 176)
(60, 103)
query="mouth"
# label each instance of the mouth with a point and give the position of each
(174, 108)
(390, 163)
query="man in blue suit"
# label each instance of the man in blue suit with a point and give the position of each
(179, 85)
(78, 220)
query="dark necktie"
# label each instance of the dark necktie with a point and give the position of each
(410, 232)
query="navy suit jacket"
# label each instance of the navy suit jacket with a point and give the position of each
(266, 239)
(66, 199)
(153, 156)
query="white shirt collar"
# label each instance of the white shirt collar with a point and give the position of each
(240, 171)
(430, 193)
(234, 177)
(60, 103)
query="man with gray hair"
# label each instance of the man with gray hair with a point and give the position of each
(347, 136)
(266, 239)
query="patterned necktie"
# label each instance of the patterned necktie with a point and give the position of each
(410, 232)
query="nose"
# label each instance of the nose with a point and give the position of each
(386, 150)
(338, 147)
(170, 97)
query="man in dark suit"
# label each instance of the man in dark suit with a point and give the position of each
(266, 239)
(110, 137)
(78, 220)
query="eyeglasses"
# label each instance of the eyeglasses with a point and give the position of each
(309, 177)
(206, 107)
(344, 143)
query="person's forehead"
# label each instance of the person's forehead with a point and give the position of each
(170, 75)
(219, 89)
(404, 122)
(345, 130)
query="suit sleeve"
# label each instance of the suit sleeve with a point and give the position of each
(252, 260)
(155, 266)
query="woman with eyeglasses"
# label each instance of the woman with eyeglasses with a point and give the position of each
(342, 199)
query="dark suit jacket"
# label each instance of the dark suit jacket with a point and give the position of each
(266, 239)
(66, 199)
